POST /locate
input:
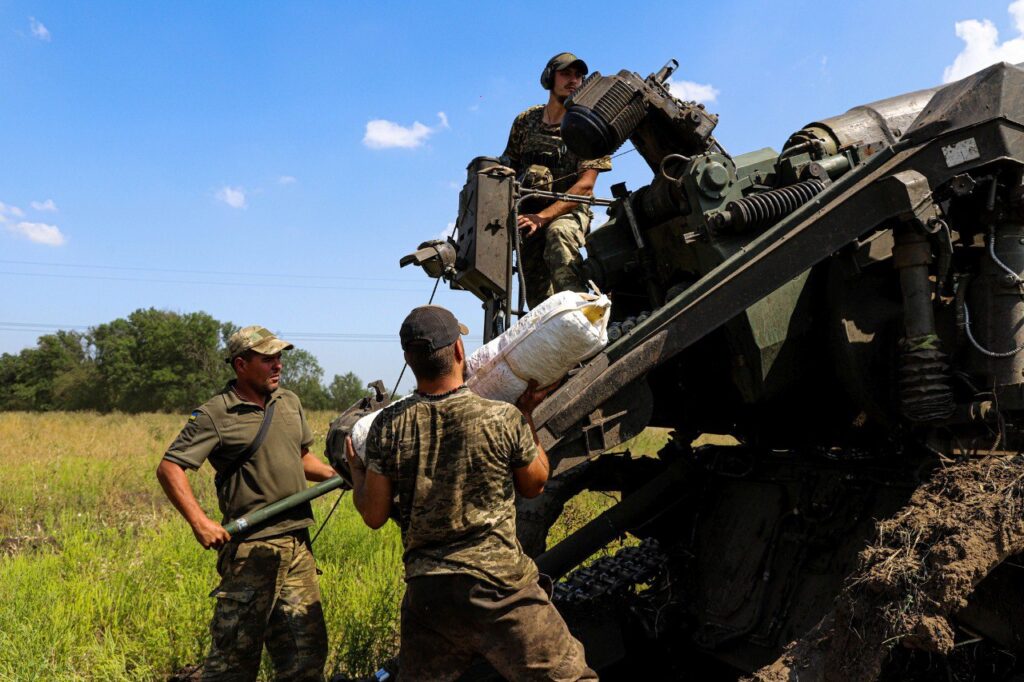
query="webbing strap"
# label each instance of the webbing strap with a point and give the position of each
(223, 477)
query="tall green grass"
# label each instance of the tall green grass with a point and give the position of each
(103, 580)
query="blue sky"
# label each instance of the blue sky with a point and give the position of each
(269, 163)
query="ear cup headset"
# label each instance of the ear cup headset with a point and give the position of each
(561, 60)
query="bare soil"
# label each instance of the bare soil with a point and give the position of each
(924, 563)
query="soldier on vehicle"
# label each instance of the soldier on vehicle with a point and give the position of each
(454, 460)
(256, 438)
(554, 231)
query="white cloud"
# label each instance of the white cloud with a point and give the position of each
(446, 232)
(383, 134)
(38, 29)
(47, 206)
(40, 233)
(232, 196)
(982, 47)
(688, 91)
(286, 180)
(8, 210)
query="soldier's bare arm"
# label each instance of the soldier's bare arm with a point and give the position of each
(529, 480)
(584, 186)
(175, 483)
(315, 468)
(371, 492)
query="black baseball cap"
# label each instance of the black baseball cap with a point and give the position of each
(432, 327)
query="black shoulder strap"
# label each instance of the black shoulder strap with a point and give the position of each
(223, 477)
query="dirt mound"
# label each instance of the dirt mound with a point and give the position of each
(924, 563)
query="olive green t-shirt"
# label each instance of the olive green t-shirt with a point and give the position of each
(221, 430)
(450, 461)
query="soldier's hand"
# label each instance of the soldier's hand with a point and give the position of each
(355, 465)
(529, 223)
(534, 396)
(350, 453)
(210, 534)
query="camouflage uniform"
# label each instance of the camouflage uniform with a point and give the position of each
(551, 257)
(269, 593)
(470, 589)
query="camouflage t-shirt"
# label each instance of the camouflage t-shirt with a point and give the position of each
(222, 429)
(450, 461)
(533, 142)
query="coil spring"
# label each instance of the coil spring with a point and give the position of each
(759, 210)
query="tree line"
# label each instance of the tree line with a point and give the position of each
(151, 361)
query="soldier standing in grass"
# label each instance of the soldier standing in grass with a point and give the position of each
(256, 437)
(454, 460)
(554, 231)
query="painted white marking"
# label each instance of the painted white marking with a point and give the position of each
(961, 152)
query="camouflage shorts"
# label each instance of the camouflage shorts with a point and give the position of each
(551, 257)
(269, 594)
(447, 620)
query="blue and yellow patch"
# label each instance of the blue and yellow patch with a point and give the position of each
(192, 417)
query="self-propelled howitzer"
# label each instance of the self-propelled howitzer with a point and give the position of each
(850, 311)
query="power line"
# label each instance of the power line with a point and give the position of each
(203, 272)
(272, 284)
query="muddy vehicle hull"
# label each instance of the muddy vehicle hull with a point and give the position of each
(850, 310)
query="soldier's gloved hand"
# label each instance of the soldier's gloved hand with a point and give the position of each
(210, 534)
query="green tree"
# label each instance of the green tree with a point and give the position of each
(57, 374)
(158, 360)
(153, 360)
(302, 374)
(345, 389)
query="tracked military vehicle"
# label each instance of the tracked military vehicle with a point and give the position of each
(850, 310)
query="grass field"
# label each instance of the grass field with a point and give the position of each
(104, 581)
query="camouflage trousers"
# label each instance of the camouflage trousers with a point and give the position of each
(551, 257)
(447, 620)
(269, 594)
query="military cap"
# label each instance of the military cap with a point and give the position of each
(431, 326)
(562, 60)
(257, 338)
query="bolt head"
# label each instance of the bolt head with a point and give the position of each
(716, 175)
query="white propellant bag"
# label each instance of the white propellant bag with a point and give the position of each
(545, 344)
(361, 429)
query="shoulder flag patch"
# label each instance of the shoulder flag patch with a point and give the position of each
(192, 417)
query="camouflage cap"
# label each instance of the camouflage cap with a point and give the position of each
(432, 326)
(562, 60)
(257, 338)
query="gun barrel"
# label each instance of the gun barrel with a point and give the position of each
(260, 515)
